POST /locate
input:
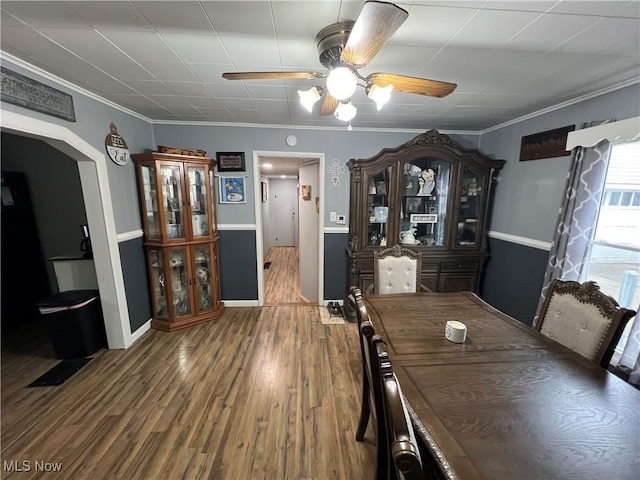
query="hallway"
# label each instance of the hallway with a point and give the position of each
(282, 278)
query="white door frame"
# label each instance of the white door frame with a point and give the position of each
(258, 209)
(97, 199)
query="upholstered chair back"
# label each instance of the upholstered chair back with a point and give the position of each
(397, 270)
(584, 319)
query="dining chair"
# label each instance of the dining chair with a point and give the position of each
(396, 270)
(371, 404)
(583, 318)
(405, 460)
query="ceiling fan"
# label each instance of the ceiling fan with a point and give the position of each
(345, 47)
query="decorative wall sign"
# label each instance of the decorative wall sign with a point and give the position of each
(306, 192)
(335, 170)
(230, 161)
(232, 190)
(116, 147)
(31, 94)
(549, 144)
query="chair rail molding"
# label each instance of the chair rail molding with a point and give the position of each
(615, 132)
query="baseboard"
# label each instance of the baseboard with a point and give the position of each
(240, 303)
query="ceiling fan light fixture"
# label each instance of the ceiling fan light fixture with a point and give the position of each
(308, 98)
(380, 95)
(341, 83)
(345, 112)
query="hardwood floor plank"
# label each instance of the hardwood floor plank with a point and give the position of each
(282, 278)
(261, 393)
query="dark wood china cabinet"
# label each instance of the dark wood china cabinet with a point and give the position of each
(177, 196)
(429, 194)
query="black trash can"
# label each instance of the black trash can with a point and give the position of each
(74, 322)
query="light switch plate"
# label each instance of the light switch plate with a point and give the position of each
(332, 216)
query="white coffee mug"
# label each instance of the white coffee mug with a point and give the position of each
(455, 331)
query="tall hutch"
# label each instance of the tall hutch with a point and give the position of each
(177, 195)
(429, 194)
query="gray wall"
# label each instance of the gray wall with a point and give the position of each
(528, 197)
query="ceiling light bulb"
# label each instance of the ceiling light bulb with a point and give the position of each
(267, 165)
(380, 95)
(341, 83)
(345, 112)
(309, 97)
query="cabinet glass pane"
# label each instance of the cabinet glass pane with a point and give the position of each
(179, 282)
(149, 188)
(173, 204)
(204, 291)
(424, 202)
(378, 205)
(470, 198)
(158, 284)
(198, 198)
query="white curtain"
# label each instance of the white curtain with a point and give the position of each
(577, 215)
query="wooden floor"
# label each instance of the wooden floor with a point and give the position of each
(261, 393)
(282, 278)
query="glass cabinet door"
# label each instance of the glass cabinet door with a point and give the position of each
(158, 284)
(469, 208)
(199, 201)
(425, 192)
(203, 277)
(150, 191)
(378, 205)
(178, 268)
(173, 201)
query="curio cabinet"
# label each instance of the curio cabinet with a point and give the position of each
(177, 197)
(430, 194)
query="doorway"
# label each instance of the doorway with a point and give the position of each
(289, 256)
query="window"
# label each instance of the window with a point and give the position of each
(613, 255)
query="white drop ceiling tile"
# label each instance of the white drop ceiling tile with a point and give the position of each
(94, 80)
(431, 26)
(168, 16)
(297, 54)
(134, 102)
(632, 10)
(247, 116)
(143, 46)
(195, 89)
(520, 5)
(175, 71)
(116, 15)
(122, 69)
(305, 19)
(550, 30)
(43, 14)
(250, 18)
(629, 47)
(267, 92)
(601, 7)
(490, 29)
(247, 50)
(230, 89)
(85, 43)
(238, 103)
(196, 48)
(451, 63)
(221, 116)
(149, 87)
(405, 60)
(272, 108)
(8, 20)
(602, 36)
(211, 72)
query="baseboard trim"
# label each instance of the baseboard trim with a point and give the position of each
(240, 303)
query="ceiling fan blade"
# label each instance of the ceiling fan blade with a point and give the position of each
(272, 75)
(329, 104)
(420, 86)
(376, 24)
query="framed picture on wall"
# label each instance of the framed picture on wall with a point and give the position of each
(232, 190)
(306, 192)
(230, 161)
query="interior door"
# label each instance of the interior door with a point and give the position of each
(283, 210)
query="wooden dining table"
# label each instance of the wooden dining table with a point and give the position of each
(508, 403)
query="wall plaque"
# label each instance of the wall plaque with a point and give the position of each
(549, 144)
(31, 94)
